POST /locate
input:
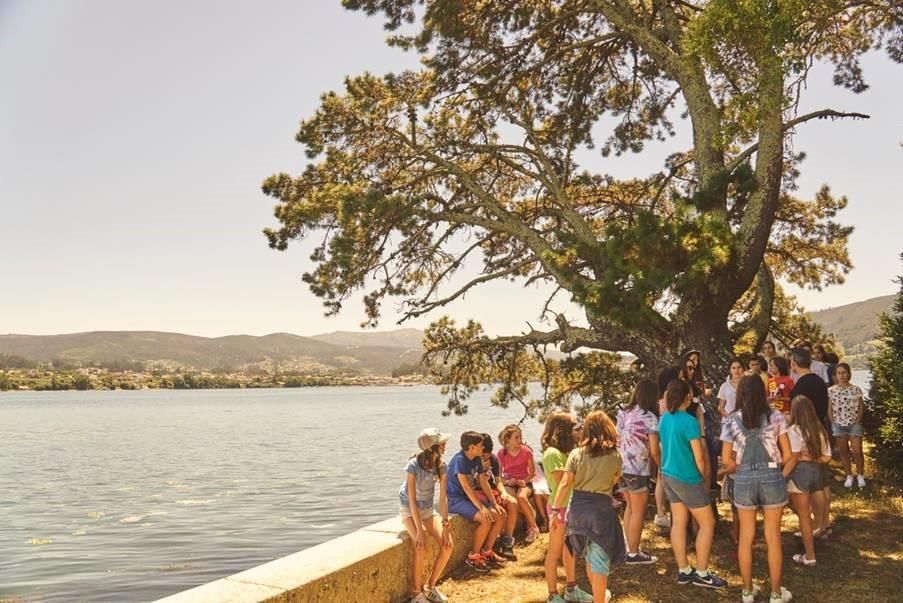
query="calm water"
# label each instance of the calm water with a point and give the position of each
(129, 496)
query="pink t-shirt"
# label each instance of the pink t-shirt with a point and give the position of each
(515, 466)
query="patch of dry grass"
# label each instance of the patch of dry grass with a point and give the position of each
(863, 561)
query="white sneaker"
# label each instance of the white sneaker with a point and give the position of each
(860, 481)
(750, 597)
(848, 483)
(532, 533)
(785, 596)
(420, 598)
(433, 595)
(662, 521)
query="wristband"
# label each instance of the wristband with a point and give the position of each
(556, 509)
(445, 521)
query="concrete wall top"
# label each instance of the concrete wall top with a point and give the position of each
(373, 562)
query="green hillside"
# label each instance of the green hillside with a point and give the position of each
(855, 326)
(203, 353)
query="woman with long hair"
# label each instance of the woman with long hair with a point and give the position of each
(757, 434)
(809, 449)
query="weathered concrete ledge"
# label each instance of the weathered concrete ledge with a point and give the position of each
(371, 564)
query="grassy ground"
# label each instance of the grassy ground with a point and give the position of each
(863, 561)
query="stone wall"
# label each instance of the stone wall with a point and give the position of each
(371, 564)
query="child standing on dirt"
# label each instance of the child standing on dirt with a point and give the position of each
(593, 529)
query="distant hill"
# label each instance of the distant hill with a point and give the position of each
(401, 338)
(203, 353)
(854, 324)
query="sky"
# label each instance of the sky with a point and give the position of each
(134, 137)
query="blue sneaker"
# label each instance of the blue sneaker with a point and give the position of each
(683, 578)
(709, 581)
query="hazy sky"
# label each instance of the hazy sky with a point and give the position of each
(134, 137)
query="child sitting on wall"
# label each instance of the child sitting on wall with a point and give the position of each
(465, 469)
(518, 471)
(417, 493)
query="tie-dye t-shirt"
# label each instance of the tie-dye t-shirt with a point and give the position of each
(634, 427)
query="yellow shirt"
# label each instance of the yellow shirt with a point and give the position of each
(597, 474)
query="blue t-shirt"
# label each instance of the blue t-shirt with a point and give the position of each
(424, 484)
(460, 464)
(675, 431)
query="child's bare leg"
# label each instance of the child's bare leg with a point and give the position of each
(659, 496)
(418, 554)
(599, 584)
(512, 509)
(497, 526)
(434, 527)
(856, 442)
(480, 532)
(526, 509)
(772, 529)
(540, 501)
(802, 506)
(680, 517)
(817, 503)
(843, 447)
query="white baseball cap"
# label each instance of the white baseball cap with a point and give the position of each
(429, 437)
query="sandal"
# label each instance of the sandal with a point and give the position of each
(800, 558)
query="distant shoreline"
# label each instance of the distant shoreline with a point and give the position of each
(94, 379)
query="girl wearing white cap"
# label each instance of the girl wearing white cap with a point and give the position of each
(417, 514)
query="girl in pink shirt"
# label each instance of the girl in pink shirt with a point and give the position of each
(518, 471)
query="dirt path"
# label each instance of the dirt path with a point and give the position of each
(862, 562)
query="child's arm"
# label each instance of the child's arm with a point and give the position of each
(487, 491)
(411, 486)
(787, 453)
(722, 403)
(860, 408)
(531, 470)
(443, 509)
(699, 456)
(655, 449)
(564, 489)
(727, 457)
(830, 408)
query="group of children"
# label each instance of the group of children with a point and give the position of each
(771, 450)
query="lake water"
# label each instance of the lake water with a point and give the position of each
(131, 496)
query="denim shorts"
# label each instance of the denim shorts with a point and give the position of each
(694, 496)
(806, 477)
(854, 430)
(762, 488)
(597, 558)
(634, 483)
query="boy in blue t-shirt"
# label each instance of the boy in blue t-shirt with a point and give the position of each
(465, 466)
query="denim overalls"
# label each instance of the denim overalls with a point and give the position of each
(758, 481)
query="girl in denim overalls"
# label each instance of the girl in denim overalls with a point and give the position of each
(758, 435)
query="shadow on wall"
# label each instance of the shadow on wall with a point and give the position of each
(371, 564)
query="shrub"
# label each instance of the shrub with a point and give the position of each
(885, 426)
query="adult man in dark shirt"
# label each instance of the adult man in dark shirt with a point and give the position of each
(809, 384)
